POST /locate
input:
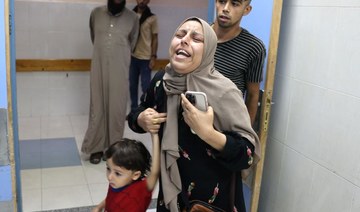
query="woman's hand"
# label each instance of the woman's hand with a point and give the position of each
(199, 121)
(150, 120)
(202, 123)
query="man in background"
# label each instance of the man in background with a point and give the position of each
(239, 55)
(114, 31)
(144, 56)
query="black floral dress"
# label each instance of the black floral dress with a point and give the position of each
(205, 172)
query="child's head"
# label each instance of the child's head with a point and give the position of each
(126, 160)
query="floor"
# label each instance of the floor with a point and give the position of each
(54, 174)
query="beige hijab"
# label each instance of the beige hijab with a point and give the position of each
(230, 113)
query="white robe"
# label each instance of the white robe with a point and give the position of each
(114, 38)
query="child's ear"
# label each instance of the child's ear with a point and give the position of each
(136, 175)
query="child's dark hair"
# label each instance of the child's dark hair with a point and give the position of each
(130, 154)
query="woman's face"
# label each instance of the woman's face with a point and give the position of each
(187, 47)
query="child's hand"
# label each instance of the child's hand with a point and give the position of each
(96, 209)
(100, 207)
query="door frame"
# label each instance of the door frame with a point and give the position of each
(12, 120)
(266, 101)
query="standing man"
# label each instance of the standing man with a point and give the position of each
(144, 55)
(239, 55)
(114, 31)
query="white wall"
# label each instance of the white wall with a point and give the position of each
(313, 153)
(59, 29)
(53, 93)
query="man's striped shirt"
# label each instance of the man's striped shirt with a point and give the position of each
(241, 59)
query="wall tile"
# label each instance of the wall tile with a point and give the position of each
(340, 116)
(78, 45)
(53, 93)
(22, 15)
(78, 80)
(79, 14)
(294, 189)
(78, 102)
(314, 53)
(38, 45)
(54, 39)
(58, 104)
(58, 16)
(329, 192)
(356, 201)
(23, 102)
(280, 109)
(23, 44)
(343, 73)
(305, 121)
(272, 170)
(39, 16)
(39, 102)
(321, 3)
(58, 80)
(287, 57)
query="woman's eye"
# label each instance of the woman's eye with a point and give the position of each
(180, 32)
(107, 169)
(117, 174)
(198, 39)
(179, 35)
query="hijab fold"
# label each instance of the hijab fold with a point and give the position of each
(230, 113)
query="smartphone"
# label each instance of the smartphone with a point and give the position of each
(198, 99)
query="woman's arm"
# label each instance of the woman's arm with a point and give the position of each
(230, 148)
(237, 153)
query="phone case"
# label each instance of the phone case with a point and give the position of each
(198, 99)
